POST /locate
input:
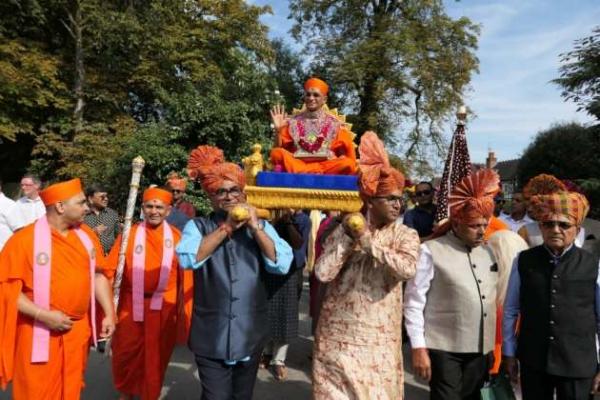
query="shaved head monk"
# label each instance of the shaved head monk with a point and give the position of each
(51, 272)
(314, 141)
(148, 311)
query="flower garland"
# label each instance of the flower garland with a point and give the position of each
(313, 142)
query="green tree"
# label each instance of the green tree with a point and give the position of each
(567, 151)
(100, 72)
(393, 63)
(580, 74)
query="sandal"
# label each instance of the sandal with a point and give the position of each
(280, 372)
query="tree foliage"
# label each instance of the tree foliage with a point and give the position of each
(401, 67)
(580, 74)
(159, 77)
(567, 151)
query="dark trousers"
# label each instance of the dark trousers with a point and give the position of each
(227, 382)
(538, 385)
(457, 376)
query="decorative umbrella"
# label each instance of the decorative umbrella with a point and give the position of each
(458, 165)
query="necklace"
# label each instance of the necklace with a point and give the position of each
(318, 131)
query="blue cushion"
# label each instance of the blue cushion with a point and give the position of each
(307, 181)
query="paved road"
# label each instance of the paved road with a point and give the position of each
(181, 382)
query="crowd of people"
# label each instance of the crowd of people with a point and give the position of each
(482, 295)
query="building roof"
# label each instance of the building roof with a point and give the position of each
(507, 169)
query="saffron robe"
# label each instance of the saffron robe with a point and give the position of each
(61, 378)
(141, 350)
(342, 147)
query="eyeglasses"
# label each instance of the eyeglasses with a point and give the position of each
(220, 194)
(423, 193)
(312, 94)
(390, 199)
(561, 224)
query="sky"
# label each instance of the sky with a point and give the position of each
(519, 47)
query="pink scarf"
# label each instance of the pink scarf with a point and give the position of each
(42, 257)
(139, 263)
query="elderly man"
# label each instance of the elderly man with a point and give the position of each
(358, 345)
(48, 281)
(101, 218)
(314, 141)
(148, 311)
(30, 207)
(450, 306)
(554, 288)
(230, 256)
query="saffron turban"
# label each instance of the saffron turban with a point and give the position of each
(572, 205)
(542, 184)
(207, 165)
(61, 191)
(473, 197)
(376, 177)
(316, 83)
(157, 194)
(176, 182)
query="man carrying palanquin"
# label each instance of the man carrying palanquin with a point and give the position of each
(358, 343)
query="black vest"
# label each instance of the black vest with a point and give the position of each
(229, 320)
(558, 319)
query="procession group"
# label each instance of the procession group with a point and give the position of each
(478, 297)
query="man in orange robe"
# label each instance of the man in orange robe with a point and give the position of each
(314, 141)
(66, 319)
(143, 342)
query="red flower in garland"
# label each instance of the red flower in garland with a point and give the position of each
(314, 142)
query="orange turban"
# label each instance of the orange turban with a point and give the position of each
(207, 165)
(176, 182)
(316, 83)
(61, 191)
(473, 197)
(543, 184)
(572, 205)
(157, 194)
(376, 177)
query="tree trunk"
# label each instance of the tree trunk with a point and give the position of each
(77, 33)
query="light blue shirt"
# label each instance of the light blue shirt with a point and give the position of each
(512, 307)
(188, 246)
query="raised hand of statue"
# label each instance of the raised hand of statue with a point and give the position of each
(279, 117)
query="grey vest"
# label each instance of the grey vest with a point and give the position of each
(460, 314)
(229, 320)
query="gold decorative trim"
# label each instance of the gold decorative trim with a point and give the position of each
(312, 199)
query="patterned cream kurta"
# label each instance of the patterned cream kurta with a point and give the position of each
(358, 344)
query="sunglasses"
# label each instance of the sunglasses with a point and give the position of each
(312, 94)
(423, 193)
(552, 224)
(222, 193)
